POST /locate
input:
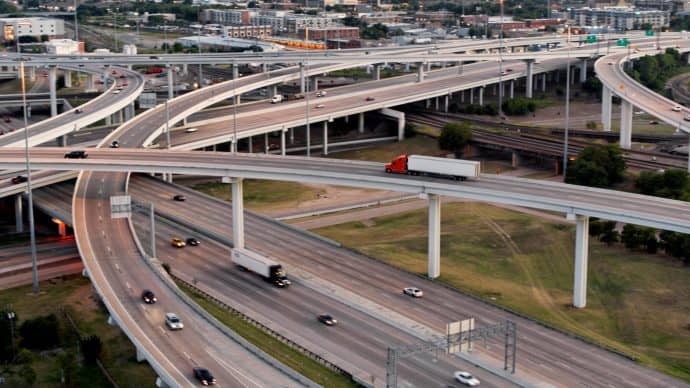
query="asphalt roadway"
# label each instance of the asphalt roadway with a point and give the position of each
(543, 354)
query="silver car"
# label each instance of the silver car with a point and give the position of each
(173, 322)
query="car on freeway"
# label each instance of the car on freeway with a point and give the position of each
(7, 119)
(78, 110)
(115, 144)
(686, 117)
(125, 84)
(204, 376)
(149, 297)
(177, 242)
(116, 92)
(191, 130)
(327, 319)
(610, 63)
(504, 73)
(319, 106)
(180, 198)
(19, 179)
(122, 76)
(369, 98)
(413, 291)
(677, 108)
(509, 69)
(466, 378)
(193, 242)
(76, 155)
(321, 93)
(173, 321)
(154, 57)
(653, 122)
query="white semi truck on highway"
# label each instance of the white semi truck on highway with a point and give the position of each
(270, 270)
(428, 165)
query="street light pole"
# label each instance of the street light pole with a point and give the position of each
(32, 232)
(76, 22)
(11, 317)
(234, 106)
(567, 111)
(306, 99)
(500, 66)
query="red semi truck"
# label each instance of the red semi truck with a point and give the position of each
(427, 165)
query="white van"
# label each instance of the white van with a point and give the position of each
(277, 98)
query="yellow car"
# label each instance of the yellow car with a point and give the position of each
(177, 242)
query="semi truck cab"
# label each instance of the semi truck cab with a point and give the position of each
(278, 276)
(397, 165)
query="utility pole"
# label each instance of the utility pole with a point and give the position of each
(500, 66)
(76, 22)
(567, 111)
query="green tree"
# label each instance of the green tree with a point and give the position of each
(177, 47)
(672, 183)
(91, 348)
(40, 332)
(631, 236)
(597, 167)
(28, 374)
(676, 245)
(454, 137)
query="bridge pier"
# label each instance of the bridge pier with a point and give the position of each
(170, 83)
(471, 96)
(543, 83)
(32, 73)
(606, 108)
(583, 71)
(462, 96)
(377, 72)
(581, 258)
(266, 146)
(28, 111)
(282, 142)
(160, 383)
(481, 96)
(360, 125)
(67, 75)
(18, 214)
(52, 84)
(140, 356)
(301, 78)
(445, 103)
(434, 250)
(112, 321)
(90, 83)
(400, 117)
(185, 69)
(420, 72)
(292, 135)
(325, 138)
(626, 125)
(436, 103)
(529, 78)
(63, 140)
(250, 145)
(512, 89)
(237, 213)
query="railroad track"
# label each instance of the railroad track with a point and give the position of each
(547, 145)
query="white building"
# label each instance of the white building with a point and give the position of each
(620, 18)
(64, 47)
(36, 27)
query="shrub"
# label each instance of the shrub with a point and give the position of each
(454, 137)
(91, 348)
(40, 333)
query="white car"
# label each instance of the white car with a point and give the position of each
(321, 93)
(320, 106)
(173, 322)
(677, 108)
(413, 291)
(466, 378)
(191, 130)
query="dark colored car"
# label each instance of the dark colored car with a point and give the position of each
(76, 155)
(19, 179)
(327, 319)
(180, 197)
(149, 297)
(78, 110)
(115, 144)
(369, 99)
(192, 241)
(203, 375)
(7, 119)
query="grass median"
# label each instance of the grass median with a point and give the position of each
(280, 351)
(637, 303)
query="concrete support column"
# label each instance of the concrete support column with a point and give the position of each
(63, 140)
(325, 137)
(434, 250)
(302, 84)
(436, 103)
(512, 89)
(18, 214)
(28, 111)
(237, 213)
(127, 113)
(516, 160)
(32, 73)
(109, 120)
(316, 84)
(428, 66)
(626, 125)
(282, 143)
(90, 83)
(170, 83)
(377, 72)
(445, 104)
(407, 66)
(266, 146)
(581, 258)
(420, 72)
(583, 71)
(606, 108)
(462, 96)
(481, 96)
(360, 125)
(427, 103)
(140, 356)
(292, 135)
(250, 145)
(471, 96)
(185, 69)
(68, 78)
(52, 84)
(529, 78)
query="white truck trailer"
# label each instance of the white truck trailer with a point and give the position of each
(269, 269)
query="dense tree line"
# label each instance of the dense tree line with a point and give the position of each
(476, 109)
(597, 167)
(654, 71)
(519, 106)
(671, 183)
(455, 136)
